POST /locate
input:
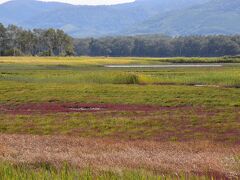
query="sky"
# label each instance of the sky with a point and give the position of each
(86, 2)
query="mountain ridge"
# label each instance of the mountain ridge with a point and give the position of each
(171, 17)
(214, 17)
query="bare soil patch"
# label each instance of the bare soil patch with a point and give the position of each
(200, 157)
(77, 107)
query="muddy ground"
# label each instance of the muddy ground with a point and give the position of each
(32, 108)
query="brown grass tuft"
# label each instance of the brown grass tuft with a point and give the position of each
(109, 154)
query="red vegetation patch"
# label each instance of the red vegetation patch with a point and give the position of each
(78, 107)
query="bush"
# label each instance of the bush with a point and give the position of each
(45, 53)
(11, 52)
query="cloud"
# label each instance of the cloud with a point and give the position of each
(86, 2)
(3, 1)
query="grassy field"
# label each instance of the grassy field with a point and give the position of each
(80, 98)
(48, 172)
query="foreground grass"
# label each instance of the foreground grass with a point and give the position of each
(119, 156)
(48, 172)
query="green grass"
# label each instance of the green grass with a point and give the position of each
(91, 70)
(167, 95)
(88, 77)
(48, 172)
(210, 112)
(229, 76)
(215, 124)
(225, 76)
(36, 80)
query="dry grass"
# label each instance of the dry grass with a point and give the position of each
(110, 154)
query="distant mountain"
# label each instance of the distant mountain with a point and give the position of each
(174, 17)
(18, 11)
(214, 17)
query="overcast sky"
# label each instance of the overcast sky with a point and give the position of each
(86, 2)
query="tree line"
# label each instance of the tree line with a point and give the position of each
(160, 46)
(15, 41)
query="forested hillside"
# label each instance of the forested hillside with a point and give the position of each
(169, 17)
(15, 41)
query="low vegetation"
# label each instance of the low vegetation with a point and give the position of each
(166, 124)
(48, 172)
(135, 158)
(80, 107)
